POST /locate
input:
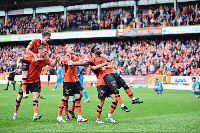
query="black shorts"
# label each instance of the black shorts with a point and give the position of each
(104, 91)
(25, 65)
(120, 80)
(11, 76)
(111, 81)
(32, 87)
(79, 85)
(70, 88)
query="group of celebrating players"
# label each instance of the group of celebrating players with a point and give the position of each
(108, 82)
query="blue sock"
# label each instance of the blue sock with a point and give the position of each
(56, 86)
(85, 94)
(72, 97)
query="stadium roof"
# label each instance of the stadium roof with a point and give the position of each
(7, 5)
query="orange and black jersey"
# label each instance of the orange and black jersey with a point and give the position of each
(35, 69)
(69, 72)
(97, 61)
(35, 43)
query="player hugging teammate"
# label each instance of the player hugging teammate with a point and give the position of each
(108, 83)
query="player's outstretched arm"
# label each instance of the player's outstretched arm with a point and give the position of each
(77, 63)
(100, 66)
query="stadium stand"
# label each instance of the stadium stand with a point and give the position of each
(176, 57)
(133, 57)
(110, 19)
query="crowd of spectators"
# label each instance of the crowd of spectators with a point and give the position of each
(179, 57)
(167, 16)
(111, 19)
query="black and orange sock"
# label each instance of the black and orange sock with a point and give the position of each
(99, 110)
(24, 84)
(129, 92)
(35, 106)
(112, 107)
(66, 107)
(17, 105)
(78, 106)
(61, 106)
(73, 105)
(119, 99)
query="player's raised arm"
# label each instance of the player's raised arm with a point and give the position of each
(77, 63)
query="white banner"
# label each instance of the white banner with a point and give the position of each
(25, 37)
(181, 80)
(43, 77)
(53, 78)
(50, 9)
(181, 30)
(2, 13)
(84, 34)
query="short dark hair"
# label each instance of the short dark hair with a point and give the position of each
(46, 33)
(156, 78)
(92, 48)
(193, 77)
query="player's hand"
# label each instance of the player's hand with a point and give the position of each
(193, 91)
(35, 59)
(57, 57)
(70, 63)
(103, 69)
(107, 63)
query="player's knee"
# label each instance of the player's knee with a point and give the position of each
(35, 95)
(20, 92)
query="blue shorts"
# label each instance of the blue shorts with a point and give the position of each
(81, 81)
(59, 79)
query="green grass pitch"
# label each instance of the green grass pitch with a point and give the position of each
(174, 111)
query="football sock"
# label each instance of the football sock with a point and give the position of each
(112, 107)
(17, 105)
(35, 106)
(61, 106)
(78, 106)
(99, 110)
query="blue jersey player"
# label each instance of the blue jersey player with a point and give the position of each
(195, 87)
(80, 70)
(158, 87)
(59, 78)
